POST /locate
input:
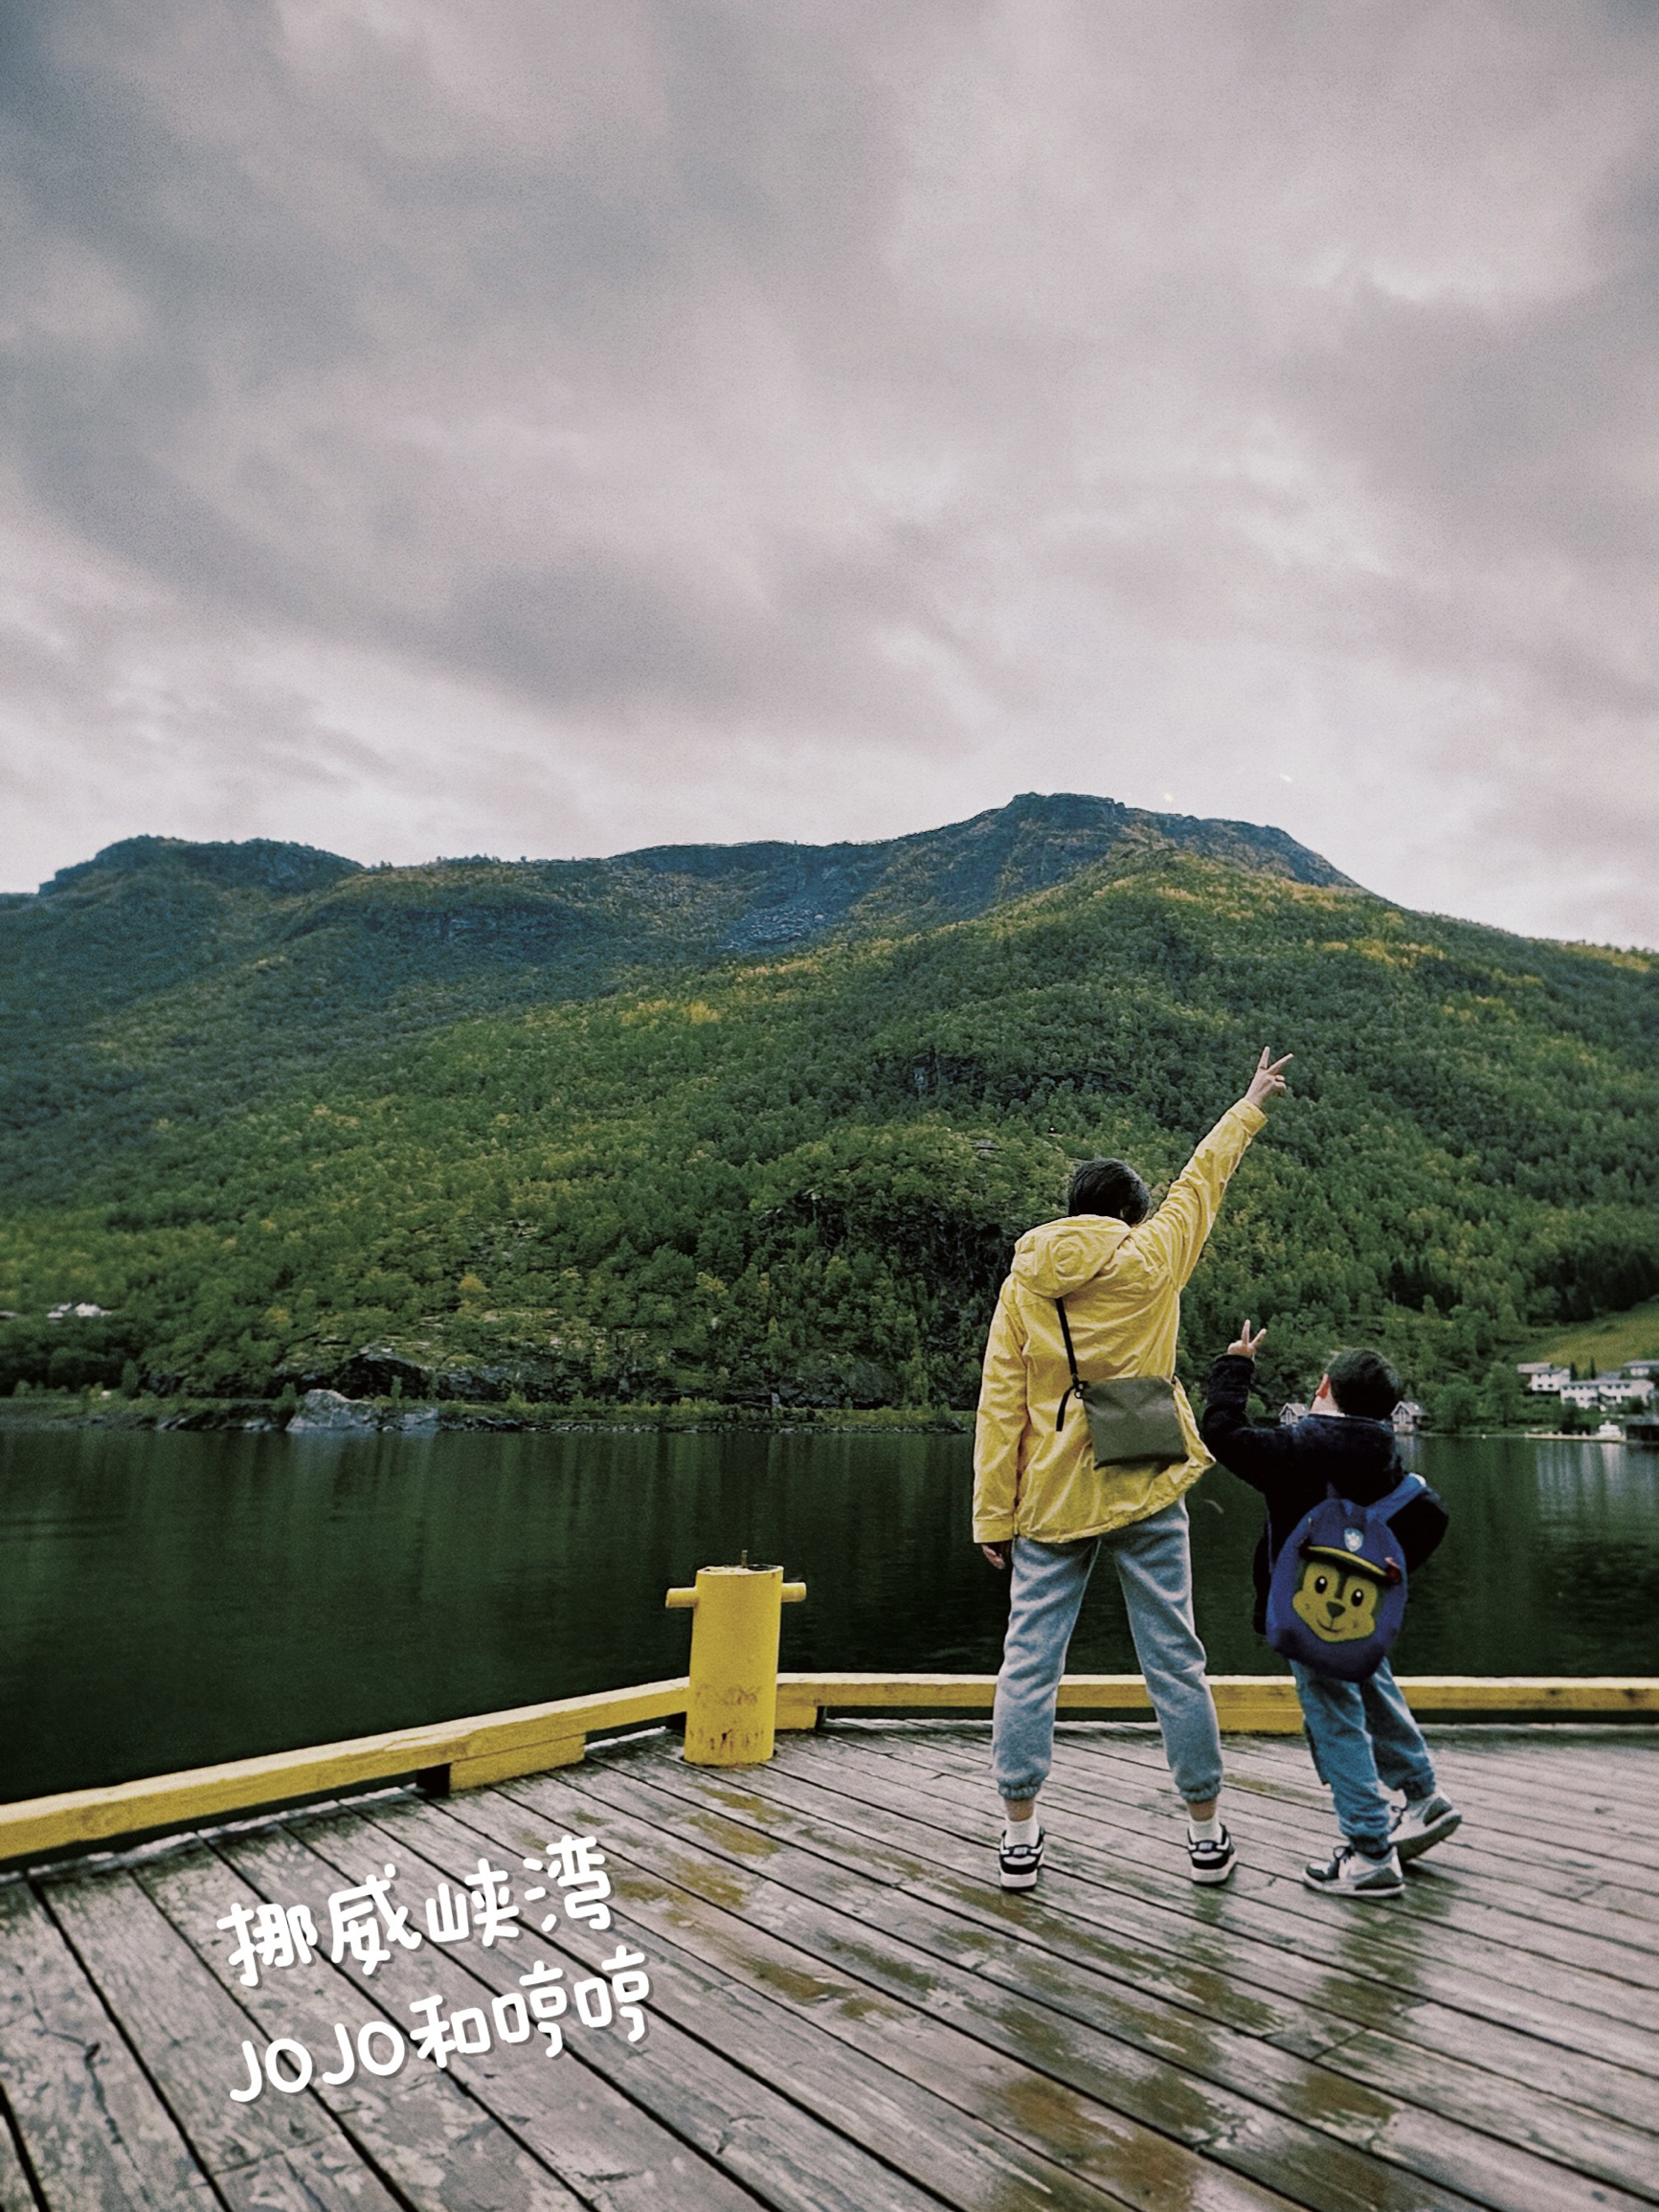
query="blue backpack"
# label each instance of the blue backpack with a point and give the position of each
(1337, 1594)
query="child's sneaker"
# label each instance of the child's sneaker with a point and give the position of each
(1213, 1857)
(1422, 1823)
(1021, 1863)
(1350, 1873)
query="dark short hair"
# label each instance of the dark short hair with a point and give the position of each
(1362, 1382)
(1110, 1187)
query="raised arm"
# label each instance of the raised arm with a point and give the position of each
(1255, 1454)
(1171, 1241)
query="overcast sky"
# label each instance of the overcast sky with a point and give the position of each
(556, 426)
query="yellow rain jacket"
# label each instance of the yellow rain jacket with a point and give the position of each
(1122, 1289)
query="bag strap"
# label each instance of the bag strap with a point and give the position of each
(1076, 1382)
(1401, 1493)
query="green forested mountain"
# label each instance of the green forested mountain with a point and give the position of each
(726, 1123)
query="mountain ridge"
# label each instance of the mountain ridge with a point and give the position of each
(307, 944)
(633, 1133)
(293, 868)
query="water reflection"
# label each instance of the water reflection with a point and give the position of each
(167, 1600)
(1551, 1566)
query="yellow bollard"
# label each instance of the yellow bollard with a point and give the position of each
(732, 1707)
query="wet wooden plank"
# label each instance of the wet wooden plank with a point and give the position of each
(1484, 1894)
(98, 2136)
(848, 2016)
(1147, 1946)
(1558, 1798)
(1088, 1923)
(1538, 1784)
(1470, 2016)
(16, 2193)
(1428, 2134)
(1484, 1882)
(165, 1967)
(960, 2155)
(189, 2039)
(1558, 1964)
(1143, 2079)
(1272, 1911)
(1246, 1972)
(1151, 1947)
(598, 2144)
(1560, 1884)
(1585, 1971)
(1142, 1830)
(1608, 1751)
(1309, 2012)
(684, 2073)
(1126, 2124)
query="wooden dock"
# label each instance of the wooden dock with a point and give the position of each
(846, 2014)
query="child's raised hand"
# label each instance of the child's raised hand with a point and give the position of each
(1245, 1343)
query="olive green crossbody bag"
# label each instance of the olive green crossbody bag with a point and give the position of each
(1132, 1419)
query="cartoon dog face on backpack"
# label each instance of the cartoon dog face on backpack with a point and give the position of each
(1337, 1602)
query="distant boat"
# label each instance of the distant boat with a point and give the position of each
(1610, 1433)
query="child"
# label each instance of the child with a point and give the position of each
(1362, 1736)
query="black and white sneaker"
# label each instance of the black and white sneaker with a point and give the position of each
(1350, 1873)
(1021, 1863)
(1213, 1857)
(1422, 1823)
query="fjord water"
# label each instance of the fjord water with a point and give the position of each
(170, 1600)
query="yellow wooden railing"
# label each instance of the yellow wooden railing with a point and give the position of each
(734, 1679)
(1254, 1704)
(531, 1739)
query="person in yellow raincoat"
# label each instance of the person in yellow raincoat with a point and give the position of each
(1042, 1506)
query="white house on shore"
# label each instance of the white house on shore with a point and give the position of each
(1543, 1375)
(1626, 1389)
(1605, 1390)
(1633, 1386)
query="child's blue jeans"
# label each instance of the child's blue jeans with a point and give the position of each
(1364, 1741)
(1154, 1569)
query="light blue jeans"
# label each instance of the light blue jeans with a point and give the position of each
(1364, 1741)
(1155, 1573)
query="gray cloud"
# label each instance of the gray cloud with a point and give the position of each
(552, 426)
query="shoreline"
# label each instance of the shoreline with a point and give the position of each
(365, 1417)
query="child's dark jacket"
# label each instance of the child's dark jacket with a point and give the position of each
(1292, 1466)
